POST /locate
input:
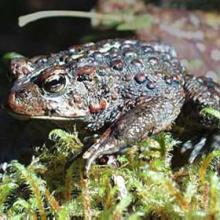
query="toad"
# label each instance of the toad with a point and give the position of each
(131, 88)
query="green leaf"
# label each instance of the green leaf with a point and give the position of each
(12, 55)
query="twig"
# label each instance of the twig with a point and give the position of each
(25, 19)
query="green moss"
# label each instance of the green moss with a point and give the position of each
(45, 189)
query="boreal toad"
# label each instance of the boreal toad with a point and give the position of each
(132, 88)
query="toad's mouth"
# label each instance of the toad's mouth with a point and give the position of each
(43, 117)
(27, 109)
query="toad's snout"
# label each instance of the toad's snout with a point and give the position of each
(23, 102)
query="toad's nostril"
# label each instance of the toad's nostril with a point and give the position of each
(22, 94)
(15, 99)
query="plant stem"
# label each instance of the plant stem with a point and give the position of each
(84, 182)
(25, 19)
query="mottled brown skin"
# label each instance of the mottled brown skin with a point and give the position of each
(132, 88)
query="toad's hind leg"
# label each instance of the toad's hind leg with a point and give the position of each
(201, 132)
(150, 116)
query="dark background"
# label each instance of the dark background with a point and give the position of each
(54, 34)
(42, 36)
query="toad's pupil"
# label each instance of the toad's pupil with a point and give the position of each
(56, 84)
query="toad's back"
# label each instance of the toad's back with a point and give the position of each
(136, 68)
(123, 71)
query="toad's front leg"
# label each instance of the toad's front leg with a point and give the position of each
(151, 115)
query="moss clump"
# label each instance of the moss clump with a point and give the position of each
(143, 185)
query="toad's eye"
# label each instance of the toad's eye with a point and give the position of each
(54, 84)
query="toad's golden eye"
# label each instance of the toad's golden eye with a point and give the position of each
(54, 84)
